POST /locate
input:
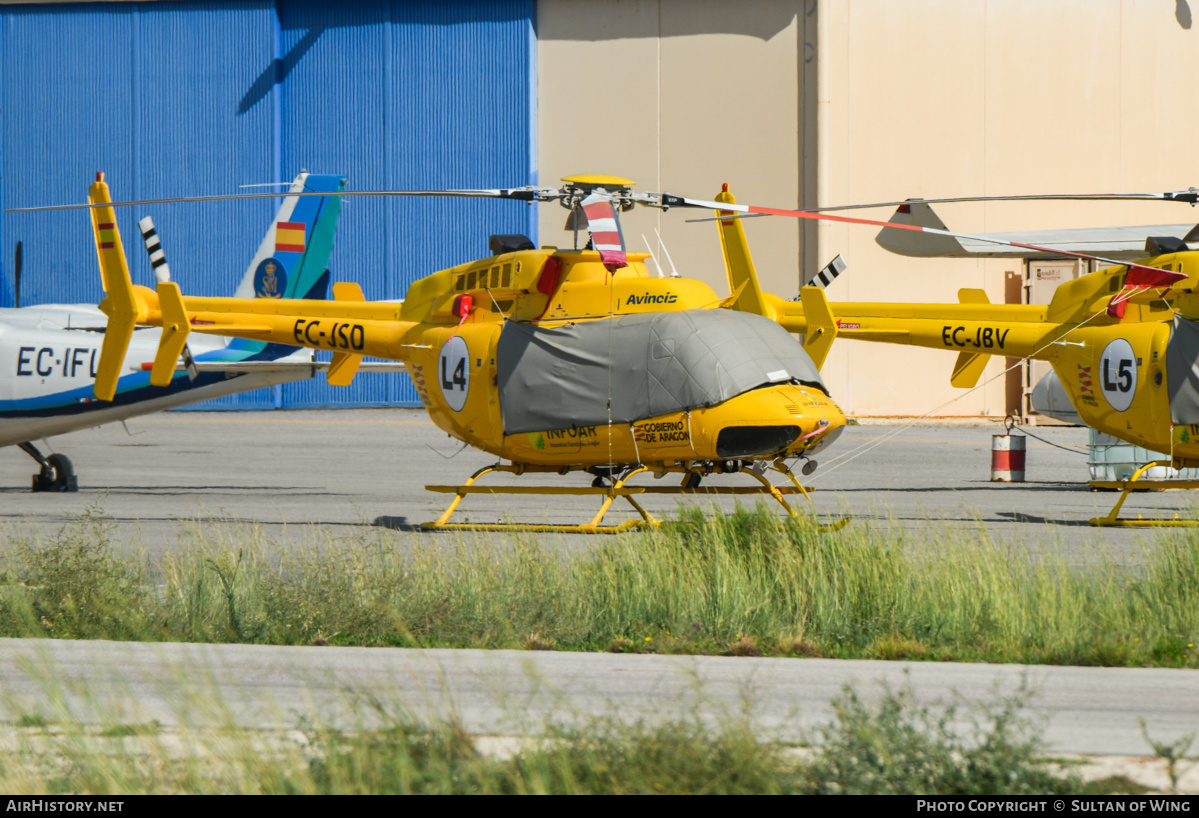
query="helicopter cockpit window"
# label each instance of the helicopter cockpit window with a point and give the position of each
(631, 367)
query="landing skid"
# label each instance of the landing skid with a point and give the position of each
(609, 493)
(1134, 483)
(57, 473)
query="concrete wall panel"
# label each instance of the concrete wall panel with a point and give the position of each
(679, 96)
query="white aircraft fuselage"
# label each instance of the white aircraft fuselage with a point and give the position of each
(48, 359)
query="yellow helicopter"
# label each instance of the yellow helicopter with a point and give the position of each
(555, 361)
(1123, 341)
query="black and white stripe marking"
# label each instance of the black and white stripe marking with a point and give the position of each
(826, 276)
(158, 259)
(831, 270)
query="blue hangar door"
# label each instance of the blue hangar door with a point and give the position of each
(190, 99)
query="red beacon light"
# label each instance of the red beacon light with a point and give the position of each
(462, 305)
(548, 281)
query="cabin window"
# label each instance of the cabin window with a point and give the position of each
(470, 281)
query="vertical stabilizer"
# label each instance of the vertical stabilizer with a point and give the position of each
(294, 254)
(738, 263)
(822, 327)
(110, 253)
(121, 304)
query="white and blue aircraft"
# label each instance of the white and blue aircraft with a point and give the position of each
(49, 353)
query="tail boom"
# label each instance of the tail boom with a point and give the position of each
(1010, 330)
(355, 328)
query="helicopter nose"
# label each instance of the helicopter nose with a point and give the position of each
(806, 420)
(781, 420)
(823, 420)
(823, 441)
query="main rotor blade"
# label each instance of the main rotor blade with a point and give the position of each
(1189, 196)
(524, 194)
(1140, 275)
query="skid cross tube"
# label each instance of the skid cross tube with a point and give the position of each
(619, 488)
(609, 493)
(1134, 483)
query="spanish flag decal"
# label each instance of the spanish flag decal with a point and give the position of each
(107, 240)
(289, 237)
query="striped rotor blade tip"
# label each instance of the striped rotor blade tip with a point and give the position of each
(606, 235)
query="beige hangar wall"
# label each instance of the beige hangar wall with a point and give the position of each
(801, 103)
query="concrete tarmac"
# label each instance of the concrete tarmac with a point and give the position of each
(351, 469)
(346, 470)
(1092, 711)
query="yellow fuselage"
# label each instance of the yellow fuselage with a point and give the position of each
(1114, 369)
(449, 349)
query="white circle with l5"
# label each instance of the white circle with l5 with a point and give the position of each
(1118, 374)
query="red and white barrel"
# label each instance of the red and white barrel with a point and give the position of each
(1007, 458)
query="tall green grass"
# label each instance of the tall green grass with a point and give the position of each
(745, 583)
(891, 747)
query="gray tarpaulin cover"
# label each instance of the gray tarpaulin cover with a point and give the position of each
(648, 364)
(1182, 371)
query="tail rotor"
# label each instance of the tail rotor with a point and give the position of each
(158, 259)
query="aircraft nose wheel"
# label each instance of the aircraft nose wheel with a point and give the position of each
(57, 474)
